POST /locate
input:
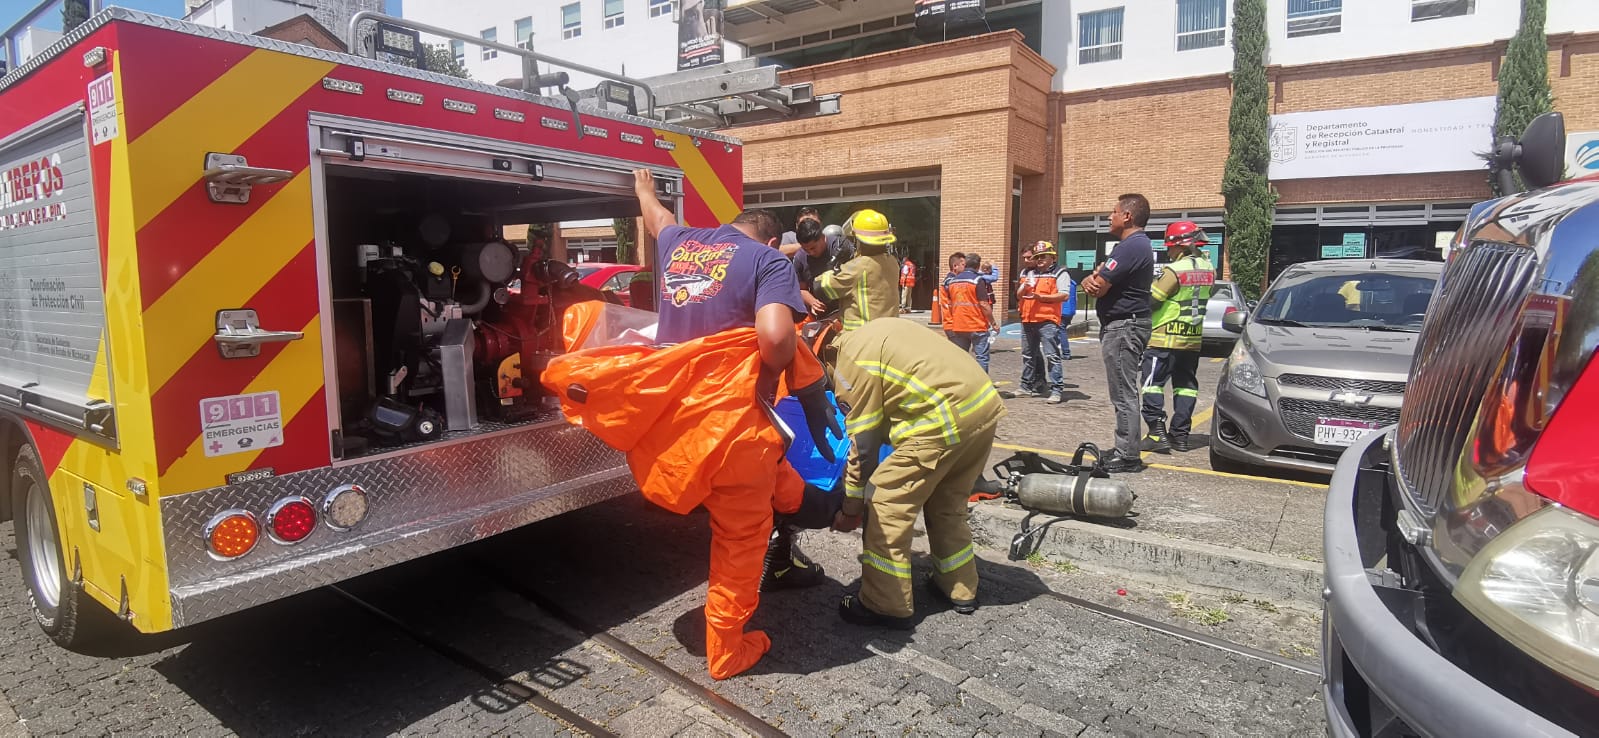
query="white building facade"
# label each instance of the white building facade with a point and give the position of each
(637, 38)
(1108, 43)
(250, 16)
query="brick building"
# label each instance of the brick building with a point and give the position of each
(994, 139)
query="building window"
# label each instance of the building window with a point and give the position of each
(572, 20)
(1421, 10)
(1201, 24)
(659, 8)
(1099, 36)
(458, 50)
(613, 13)
(524, 33)
(490, 34)
(1314, 17)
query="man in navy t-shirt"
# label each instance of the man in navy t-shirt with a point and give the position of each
(1121, 285)
(714, 280)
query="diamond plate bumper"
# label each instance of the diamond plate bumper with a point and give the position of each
(421, 502)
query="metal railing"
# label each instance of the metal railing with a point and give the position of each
(353, 39)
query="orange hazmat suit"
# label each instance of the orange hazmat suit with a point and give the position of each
(694, 434)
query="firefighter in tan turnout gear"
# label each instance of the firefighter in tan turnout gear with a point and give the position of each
(867, 286)
(903, 385)
(1179, 296)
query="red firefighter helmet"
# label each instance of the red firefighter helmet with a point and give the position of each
(1185, 233)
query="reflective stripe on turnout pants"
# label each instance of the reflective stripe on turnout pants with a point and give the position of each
(1182, 369)
(925, 476)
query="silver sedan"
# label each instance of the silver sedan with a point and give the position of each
(1224, 299)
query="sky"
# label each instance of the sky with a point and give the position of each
(11, 10)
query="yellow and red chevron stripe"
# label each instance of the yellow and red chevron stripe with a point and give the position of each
(213, 257)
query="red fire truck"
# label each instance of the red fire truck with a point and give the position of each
(256, 334)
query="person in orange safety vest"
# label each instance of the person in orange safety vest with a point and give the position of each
(969, 317)
(729, 302)
(907, 284)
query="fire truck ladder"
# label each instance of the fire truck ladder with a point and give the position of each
(737, 93)
(720, 96)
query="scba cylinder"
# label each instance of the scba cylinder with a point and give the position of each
(1062, 494)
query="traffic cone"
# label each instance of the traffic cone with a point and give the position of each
(938, 312)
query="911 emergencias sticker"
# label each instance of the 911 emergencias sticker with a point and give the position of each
(241, 423)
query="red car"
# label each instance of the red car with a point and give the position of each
(606, 277)
(613, 278)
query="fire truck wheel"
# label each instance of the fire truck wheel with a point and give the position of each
(56, 603)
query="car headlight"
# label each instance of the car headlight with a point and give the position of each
(1244, 373)
(1537, 585)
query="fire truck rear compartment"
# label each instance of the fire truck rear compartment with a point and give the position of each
(440, 326)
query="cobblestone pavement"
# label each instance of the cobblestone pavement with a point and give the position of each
(1025, 664)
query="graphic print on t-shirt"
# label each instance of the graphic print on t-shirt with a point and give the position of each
(695, 271)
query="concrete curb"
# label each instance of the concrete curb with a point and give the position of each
(1157, 558)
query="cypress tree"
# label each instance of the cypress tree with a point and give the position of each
(1249, 197)
(73, 14)
(1524, 91)
(625, 239)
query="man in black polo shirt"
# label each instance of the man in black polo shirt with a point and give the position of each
(816, 255)
(1121, 285)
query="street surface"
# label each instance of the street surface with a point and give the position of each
(482, 640)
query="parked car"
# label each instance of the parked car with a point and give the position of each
(613, 278)
(1462, 545)
(1320, 362)
(1224, 299)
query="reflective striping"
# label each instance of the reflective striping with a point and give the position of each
(853, 492)
(824, 285)
(295, 374)
(1181, 392)
(958, 560)
(1155, 389)
(869, 421)
(267, 242)
(935, 401)
(976, 403)
(219, 118)
(885, 565)
(699, 172)
(862, 305)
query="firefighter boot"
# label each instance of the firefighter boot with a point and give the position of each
(1157, 440)
(855, 612)
(786, 566)
(964, 607)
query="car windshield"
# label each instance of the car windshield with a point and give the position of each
(1372, 301)
(584, 272)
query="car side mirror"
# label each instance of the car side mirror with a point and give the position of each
(1539, 155)
(1543, 151)
(1235, 320)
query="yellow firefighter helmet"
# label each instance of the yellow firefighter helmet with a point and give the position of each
(871, 227)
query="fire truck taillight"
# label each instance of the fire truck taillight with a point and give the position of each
(291, 520)
(232, 533)
(345, 507)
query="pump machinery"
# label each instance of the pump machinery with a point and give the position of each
(459, 333)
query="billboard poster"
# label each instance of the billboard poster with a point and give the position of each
(936, 19)
(1416, 138)
(1582, 153)
(699, 34)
